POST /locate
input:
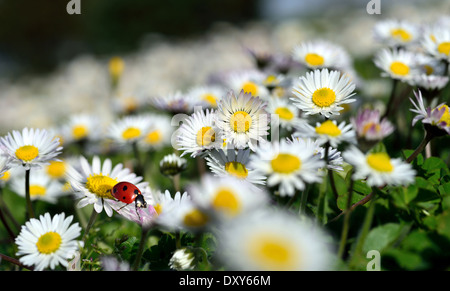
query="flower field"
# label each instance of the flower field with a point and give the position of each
(265, 146)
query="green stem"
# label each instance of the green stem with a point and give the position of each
(30, 212)
(428, 137)
(367, 223)
(346, 224)
(139, 167)
(90, 224)
(391, 99)
(304, 199)
(137, 262)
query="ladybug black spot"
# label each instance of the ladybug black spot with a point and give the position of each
(136, 191)
(123, 197)
(124, 188)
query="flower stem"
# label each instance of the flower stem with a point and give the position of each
(391, 99)
(428, 137)
(30, 212)
(304, 199)
(346, 225)
(139, 167)
(16, 262)
(90, 224)
(137, 262)
(367, 223)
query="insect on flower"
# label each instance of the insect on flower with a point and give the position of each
(128, 193)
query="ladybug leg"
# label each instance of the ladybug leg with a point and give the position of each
(122, 207)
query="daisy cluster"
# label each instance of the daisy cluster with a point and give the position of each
(249, 157)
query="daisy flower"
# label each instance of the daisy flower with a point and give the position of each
(437, 43)
(272, 240)
(81, 127)
(369, 127)
(287, 113)
(182, 260)
(176, 102)
(290, 165)
(129, 129)
(4, 164)
(172, 164)
(438, 116)
(233, 163)
(159, 133)
(242, 119)
(93, 183)
(323, 92)
(42, 186)
(318, 54)
(31, 148)
(226, 198)
(48, 242)
(397, 64)
(378, 168)
(207, 95)
(328, 131)
(198, 133)
(430, 82)
(395, 32)
(251, 82)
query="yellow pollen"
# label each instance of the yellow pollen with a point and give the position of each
(329, 128)
(240, 121)
(444, 48)
(399, 68)
(153, 137)
(205, 136)
(37, 190)
(446, 116)
(371, 126)
(286, 163)
(101, 185)
(116, 66)
(56, 169)
(401, 34)
(27, 153)
(79, 131)
(323, 97)
(236, 169)
(211, 99)
(380, 162)
(48, 242)
(284, 113)
(272, 253)
(226, 200)
(131, 132)
(195, 218)
(313, 59)
(250, 87)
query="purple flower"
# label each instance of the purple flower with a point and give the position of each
(369, 127)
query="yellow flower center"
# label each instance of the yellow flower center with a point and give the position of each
(153, 137)
(6, 176)
(401, 34)
(236, 169)
(446, 116)
(226, 200)
(101, 185)
(428, 69)
(37, 190)
(116, 66)
(399, 68)
(240, 121)
(195, 218)
(49, 242)
(79, 131)
(27, 153)
(444, 48)
(158, 208)
(211, 99)
(56, 169)
(205, 136)
(272, 253)
(323, 97)
(313, 59)
(380, 162)
(131, 133)
(250, 87)
(286, 163)
(370, 126)
(284, 113)
(329, 128)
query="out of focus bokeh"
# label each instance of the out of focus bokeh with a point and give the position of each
(50, 59)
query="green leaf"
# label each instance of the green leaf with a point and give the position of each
(382, 236)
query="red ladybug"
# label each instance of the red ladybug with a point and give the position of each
(127, 193)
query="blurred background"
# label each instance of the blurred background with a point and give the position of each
(51, 62)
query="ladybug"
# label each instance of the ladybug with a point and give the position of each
(127, 193)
